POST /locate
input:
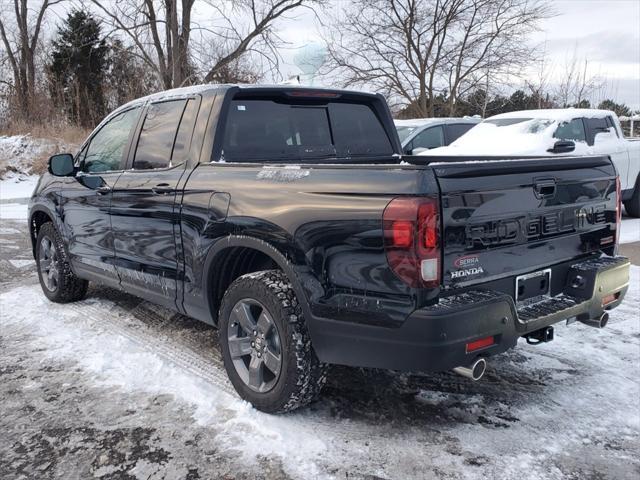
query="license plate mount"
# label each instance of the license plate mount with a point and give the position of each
(533, 286)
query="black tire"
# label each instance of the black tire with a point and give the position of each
(58, 282)
(301, 375)
(632, 206)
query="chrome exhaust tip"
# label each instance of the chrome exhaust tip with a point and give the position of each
(475, 371)
(597, 322)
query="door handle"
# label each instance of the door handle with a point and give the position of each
(163, 189)
(103, 190)
(545, 188)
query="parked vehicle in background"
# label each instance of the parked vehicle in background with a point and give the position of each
(420, 134)
(288, 218)
(566, 131)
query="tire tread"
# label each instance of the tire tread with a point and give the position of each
(310, 374)
(70, 288)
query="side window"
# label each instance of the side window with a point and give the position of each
(408, 148)
(612, 125)
(599, 130)
(573, 130)
(456, 130)
(158, 135)
(430, 138)
(185, 131)
(106, 148)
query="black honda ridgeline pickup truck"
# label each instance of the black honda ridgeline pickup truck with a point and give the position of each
(288, 218)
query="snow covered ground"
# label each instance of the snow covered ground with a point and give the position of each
(114, 385)
(15, 190)
(630, 230)
(17, 186)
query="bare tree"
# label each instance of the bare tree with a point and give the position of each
(538, 82)
(162, 33)
(577, 84)
(20, 32)
(415, 50)
(490, 36)
(393, 46)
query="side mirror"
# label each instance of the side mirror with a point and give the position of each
(61, 165)
(418, 150)
(563, 146)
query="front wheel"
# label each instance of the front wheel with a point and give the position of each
(58, 282)
(265, 345)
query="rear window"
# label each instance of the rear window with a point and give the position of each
(404, 132)
(505, 122)
(270, 130)
(524, 125)
(456, 130)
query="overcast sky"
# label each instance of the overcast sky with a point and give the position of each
(606, 32)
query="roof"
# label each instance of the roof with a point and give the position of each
(418, 122)
(212, 87)
(206, 87)
(556, 113)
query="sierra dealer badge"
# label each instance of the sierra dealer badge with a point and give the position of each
(466, 265)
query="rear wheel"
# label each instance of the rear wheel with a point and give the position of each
(58, 282)
(265, 345)
(632, 206)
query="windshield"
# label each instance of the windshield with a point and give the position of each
(529, 125)
(505, 122)
(404, 132)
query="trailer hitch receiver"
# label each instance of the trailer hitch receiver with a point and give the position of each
(543, 335)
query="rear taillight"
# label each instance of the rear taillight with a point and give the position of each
(618, 210)
(412, 240)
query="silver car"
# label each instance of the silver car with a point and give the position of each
(420, 134)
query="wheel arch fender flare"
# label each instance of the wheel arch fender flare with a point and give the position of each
(57, 222)
(305, 283)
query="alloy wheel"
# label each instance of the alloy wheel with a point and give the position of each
(48, 264)
(254, 344)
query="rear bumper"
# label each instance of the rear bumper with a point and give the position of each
(435, 338)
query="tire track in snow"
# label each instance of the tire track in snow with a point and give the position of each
(144, 323)
(121, 322)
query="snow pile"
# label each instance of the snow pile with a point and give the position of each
(18, 152)
(22, 154)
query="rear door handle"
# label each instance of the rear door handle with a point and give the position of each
(103, 190)
(163, 189)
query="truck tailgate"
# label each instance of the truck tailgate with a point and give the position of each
(509, 217)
